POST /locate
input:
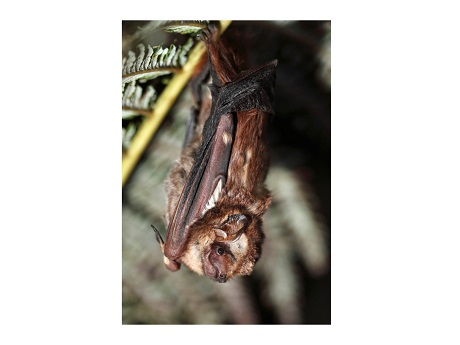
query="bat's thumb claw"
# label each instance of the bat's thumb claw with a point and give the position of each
(158, 236)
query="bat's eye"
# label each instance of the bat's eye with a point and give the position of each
(220, 251)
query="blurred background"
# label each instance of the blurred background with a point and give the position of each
(291, 283)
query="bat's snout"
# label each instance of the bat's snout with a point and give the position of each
(221, 277)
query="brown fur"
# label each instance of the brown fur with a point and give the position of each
(243, 194)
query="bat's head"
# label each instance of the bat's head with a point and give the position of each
(227, 240)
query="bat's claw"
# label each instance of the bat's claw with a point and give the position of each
(158, 238)
(170, 264)
(209, 34)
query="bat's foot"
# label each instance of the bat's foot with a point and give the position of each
(209, 34)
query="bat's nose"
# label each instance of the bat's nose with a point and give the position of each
(222, 278)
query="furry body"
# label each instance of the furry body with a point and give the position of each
(216, 195)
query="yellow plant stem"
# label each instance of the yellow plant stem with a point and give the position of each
(162, 106)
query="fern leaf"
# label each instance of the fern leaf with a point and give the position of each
(185, 26)
(172, 52)
(128, 135)
(129, 62)
(148, 98)
(140, 58)
(157, 53)
(135, 101)
(162, 57)
(173, 26)
(156, 62)
(148, 57)
(182, 53)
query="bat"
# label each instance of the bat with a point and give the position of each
(216, 193)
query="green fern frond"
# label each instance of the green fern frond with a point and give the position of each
(155, 62)
(185, 26)
(174, 26)
(128, 134)
(136, 101)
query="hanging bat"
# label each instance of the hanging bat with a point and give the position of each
(216, 195)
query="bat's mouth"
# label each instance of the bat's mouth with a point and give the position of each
(204, 185)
